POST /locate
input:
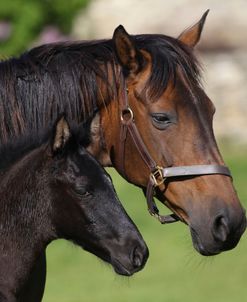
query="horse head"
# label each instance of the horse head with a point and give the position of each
(166, 113)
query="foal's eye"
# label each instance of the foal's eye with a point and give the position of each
(162, 120)
(85, 194)
(82, 192)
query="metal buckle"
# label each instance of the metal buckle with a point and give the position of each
(156, 176)
(155, 215)
(124, 112)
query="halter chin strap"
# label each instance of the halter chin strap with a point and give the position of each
(158, 175)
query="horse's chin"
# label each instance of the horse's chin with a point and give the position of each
(211, 251)
(200, 248)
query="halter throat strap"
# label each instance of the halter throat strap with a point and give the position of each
(158, 175)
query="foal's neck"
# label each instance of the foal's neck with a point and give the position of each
(25, 229)
(25, 198)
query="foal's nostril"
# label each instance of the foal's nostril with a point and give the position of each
(220, 228)
(137, 257)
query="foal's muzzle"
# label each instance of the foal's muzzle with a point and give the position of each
(134, 262)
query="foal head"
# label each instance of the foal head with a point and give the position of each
(86, 207)
(173, 116)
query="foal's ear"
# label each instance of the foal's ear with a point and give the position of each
(127, 53)
(191, 35)
(61, 135)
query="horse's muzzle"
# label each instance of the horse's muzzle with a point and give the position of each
(224, 234)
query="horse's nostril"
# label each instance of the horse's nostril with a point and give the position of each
(220, 228)
(137, 257)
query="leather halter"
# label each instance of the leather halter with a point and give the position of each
(158, 175)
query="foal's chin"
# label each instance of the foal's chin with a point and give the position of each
(128, 266)
(124, 263)
(123, 270)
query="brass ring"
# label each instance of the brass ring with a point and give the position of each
(127, 111)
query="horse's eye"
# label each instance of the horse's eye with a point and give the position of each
(161, 120)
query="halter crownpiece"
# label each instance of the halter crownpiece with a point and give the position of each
(158, 175)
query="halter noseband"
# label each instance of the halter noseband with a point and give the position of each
(158, 175)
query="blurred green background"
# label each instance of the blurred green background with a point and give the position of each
(22, 21)
(175, 272)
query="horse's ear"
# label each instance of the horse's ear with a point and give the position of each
(191, 36)
(127, 53)
(61, 135)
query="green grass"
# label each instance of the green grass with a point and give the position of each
(174, 271)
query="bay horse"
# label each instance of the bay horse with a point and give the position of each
(152, 121)
(51, 188)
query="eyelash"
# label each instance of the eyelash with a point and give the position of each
(162, 120)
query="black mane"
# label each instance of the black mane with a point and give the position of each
(62, 77)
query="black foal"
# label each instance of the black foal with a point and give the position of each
(55, 189)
